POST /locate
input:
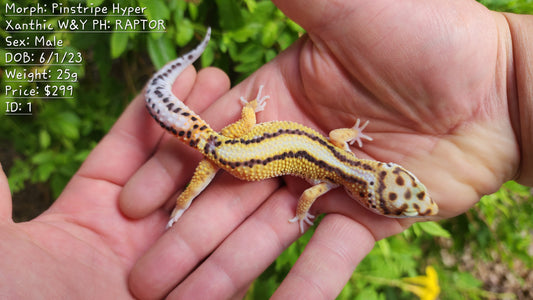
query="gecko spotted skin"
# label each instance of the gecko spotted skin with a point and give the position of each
(251, 151)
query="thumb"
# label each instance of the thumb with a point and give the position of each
(5, 198)
(311, 14)
(320, 15)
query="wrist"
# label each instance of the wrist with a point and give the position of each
(521, 107)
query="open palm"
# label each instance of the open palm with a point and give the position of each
(431, 78)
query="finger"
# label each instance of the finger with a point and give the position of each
(342, 239)
(223, 206)
(328, 261)
(210, 85)
(311, 14)
(167, 170)
(5, 197)
(320, 15)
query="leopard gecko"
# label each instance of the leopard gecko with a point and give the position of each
(251, 151)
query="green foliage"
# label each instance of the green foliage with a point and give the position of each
(515, 6)
(52, 143)
(500, 224)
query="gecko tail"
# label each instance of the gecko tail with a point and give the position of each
(169, 111)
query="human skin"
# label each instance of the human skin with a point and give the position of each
(446, 86)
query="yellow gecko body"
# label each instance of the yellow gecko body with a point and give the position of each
(251, 151)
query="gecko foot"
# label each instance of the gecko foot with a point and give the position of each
(360, 135)
(261, 101)
(306, 219)
(176, 214)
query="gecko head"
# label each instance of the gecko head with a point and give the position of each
(396, 192)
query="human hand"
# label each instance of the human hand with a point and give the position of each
(432, 79)
(83, 246)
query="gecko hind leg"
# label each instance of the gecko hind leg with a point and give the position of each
(203, 175)
(259, 102)
(248, 118)
(306, 200)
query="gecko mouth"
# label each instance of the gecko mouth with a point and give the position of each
(410, 213)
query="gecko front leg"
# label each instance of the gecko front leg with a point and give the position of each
(343, 136)
(306, 201)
